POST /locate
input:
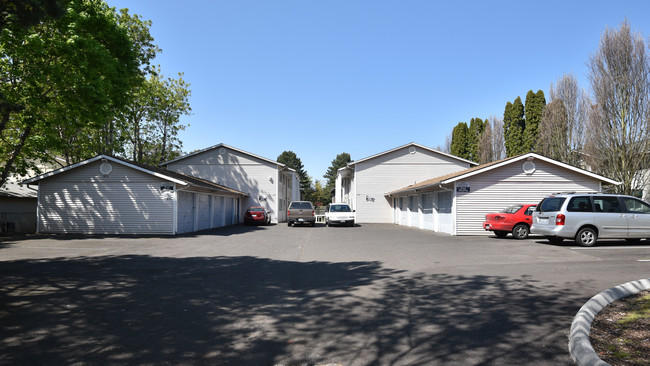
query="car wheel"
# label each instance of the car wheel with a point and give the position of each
(327, 223)
(586, 237)
(289, 223)
(520, 231)
(501, 234)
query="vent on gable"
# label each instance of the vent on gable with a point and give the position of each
(106, 168)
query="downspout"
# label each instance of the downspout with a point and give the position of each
(175, 210)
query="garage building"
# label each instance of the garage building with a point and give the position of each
(109, 195)
(456, 203)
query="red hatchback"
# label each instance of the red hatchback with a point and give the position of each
(515, 219)
(257, 215)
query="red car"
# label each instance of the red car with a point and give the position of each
(515, 219)
(257, 215)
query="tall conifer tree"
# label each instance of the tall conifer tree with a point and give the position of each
(459, 141)
(513, 127)
(535, 103)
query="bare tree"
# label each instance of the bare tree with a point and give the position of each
(498, 140)
(446, 148)
(491, 145)
(567, 118)
(485, 148)
(553, 134)
(618, 130)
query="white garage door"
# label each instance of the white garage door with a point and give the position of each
(185, 212)
(203, 203)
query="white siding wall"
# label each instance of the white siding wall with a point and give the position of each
(391, 171)
(498, 188)
(236, 170)
(85, 201)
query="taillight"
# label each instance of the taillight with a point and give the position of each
(559, 219)
(288, 212)
(313, 213)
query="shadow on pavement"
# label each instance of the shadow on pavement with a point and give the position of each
(253, 311)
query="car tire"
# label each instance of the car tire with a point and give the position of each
(520, 231)
(501, 234)
(312, 224)
(586, 237)
(289, 223)
(327, 223)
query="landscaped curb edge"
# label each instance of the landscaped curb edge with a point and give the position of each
(579, 345)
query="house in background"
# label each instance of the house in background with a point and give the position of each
(472, 193)
(266, 182)
(17, 209)
(363, 183)
(108, 195)
(18, 203)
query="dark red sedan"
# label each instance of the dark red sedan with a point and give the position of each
(257, 215)
(515, 219)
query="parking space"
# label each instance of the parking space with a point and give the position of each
(278, 295)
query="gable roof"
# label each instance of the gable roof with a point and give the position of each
(214, 147)
(179, 178)
(413, 144)
(464, 174)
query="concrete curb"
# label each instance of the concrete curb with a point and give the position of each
(579, 345)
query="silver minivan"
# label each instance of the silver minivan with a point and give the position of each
(586, 217)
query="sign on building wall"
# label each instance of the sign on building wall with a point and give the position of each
(462, 187)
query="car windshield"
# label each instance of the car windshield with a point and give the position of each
(551, 204)
(301, 205)
(511, 209)
(255, 209)
(340, 208)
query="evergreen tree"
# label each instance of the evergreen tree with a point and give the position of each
(290, 159)
(339, 162)
(459, 141)
(535, 103)
(513, 127)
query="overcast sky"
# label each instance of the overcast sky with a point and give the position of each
(324, 77)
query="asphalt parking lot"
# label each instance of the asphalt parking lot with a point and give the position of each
(275, 295)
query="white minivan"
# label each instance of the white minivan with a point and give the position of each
(586, 217)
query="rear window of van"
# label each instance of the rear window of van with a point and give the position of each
(551, 204)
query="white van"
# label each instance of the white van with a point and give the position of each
(587, 217)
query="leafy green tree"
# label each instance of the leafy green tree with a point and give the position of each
(290, 159)
(339, 162)
(459, 140)
(78, 68)
(169, 100)
(131, 132)
(321, 196)
(26, 13)
(513, 127)
(534, 109)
